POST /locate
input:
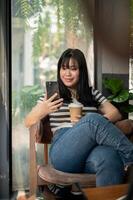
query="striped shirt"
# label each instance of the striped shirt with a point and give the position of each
(61, 118)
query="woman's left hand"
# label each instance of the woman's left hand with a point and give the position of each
(110, 112)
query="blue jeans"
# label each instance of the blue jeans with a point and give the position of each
(93, 145)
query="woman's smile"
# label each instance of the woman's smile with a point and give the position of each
(70, 74)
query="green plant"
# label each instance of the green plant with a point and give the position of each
(24, 100)
(118, 94)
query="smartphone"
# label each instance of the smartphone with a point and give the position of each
(52, 88)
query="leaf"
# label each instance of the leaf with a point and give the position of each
(29, 88)
(130, 96)
(113, 85)
(111, 97)
(37, 92)
(121, 97)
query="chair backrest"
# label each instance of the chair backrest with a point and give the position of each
(45, 134)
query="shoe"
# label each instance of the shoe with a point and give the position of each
(78, 196)
(59, 192)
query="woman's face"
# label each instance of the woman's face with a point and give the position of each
(70, 74)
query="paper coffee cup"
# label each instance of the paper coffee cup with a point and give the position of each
(75, 111)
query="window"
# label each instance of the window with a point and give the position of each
(41, 31)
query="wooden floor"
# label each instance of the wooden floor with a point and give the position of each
(106, 193)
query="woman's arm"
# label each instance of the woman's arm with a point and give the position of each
(110, 112)
(42, 109)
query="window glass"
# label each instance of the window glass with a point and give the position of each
(41, 31)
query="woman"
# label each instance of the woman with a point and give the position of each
(93, 144)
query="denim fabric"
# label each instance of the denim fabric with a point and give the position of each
(105, 162)
(72, 147)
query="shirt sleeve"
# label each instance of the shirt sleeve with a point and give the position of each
(98, 96)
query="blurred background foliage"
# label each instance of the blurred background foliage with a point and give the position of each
(24, 100)
(68, 16)
(119, 95)
(53, 23)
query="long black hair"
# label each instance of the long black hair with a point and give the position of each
(83, 89)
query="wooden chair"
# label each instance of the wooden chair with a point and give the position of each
(42, 175)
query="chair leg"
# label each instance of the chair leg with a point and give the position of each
(33, 166)
(46, 153)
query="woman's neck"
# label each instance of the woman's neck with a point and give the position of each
(73, 93)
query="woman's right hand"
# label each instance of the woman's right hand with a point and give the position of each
(50, 105)
(42, 109)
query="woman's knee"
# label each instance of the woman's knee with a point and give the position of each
(95, 117)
